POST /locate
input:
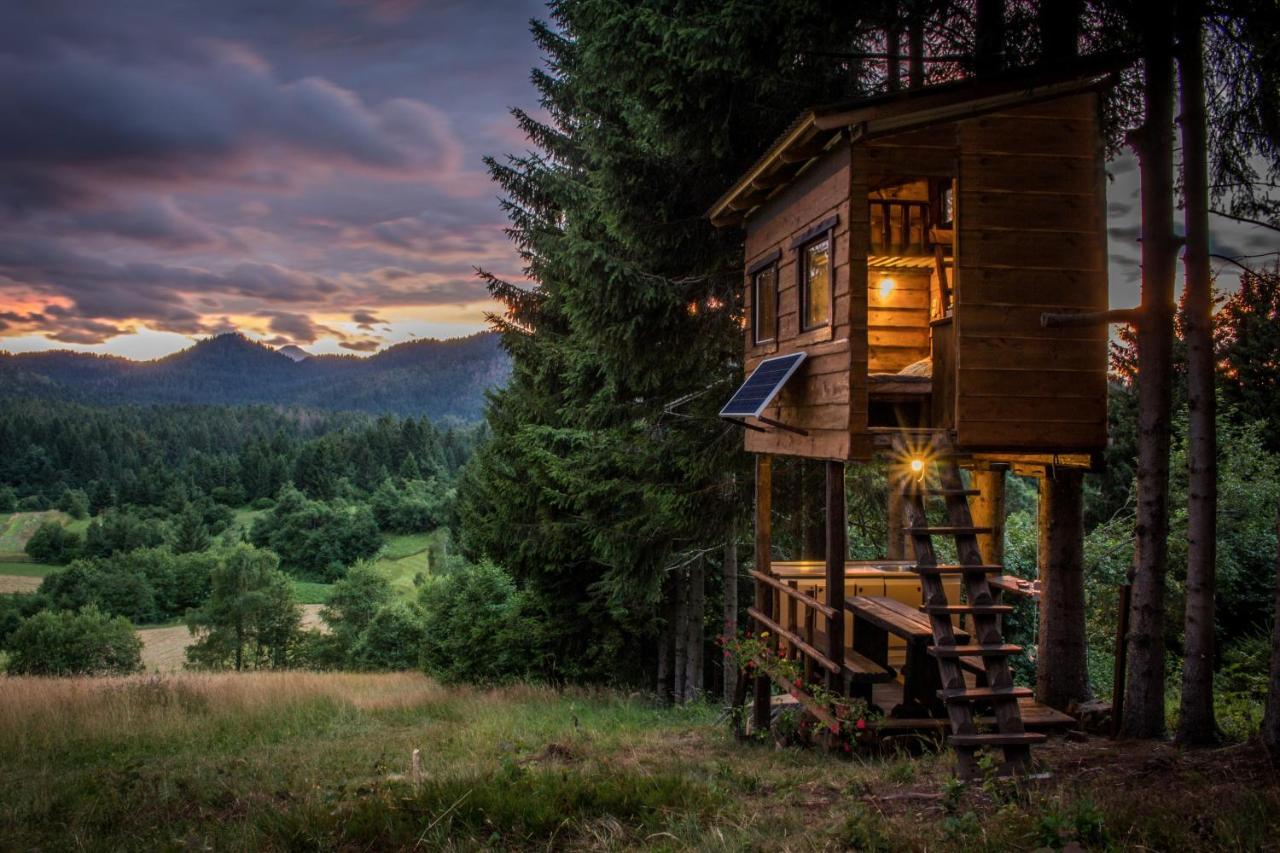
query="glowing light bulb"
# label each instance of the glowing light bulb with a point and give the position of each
(886, 287)
(917, 465)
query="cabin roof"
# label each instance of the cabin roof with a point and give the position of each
(819, 128)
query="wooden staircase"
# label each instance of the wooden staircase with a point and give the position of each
(980, 606)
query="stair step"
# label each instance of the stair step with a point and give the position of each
(974, 694)
(945, 493)
(1011, 739)
(948, 530)
(955, 569)
(994, 650)
(976, 609)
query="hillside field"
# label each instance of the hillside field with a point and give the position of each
(291, 761)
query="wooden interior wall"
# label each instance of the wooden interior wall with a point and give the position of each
(1031, 237)
(897, 324)
(817, 399)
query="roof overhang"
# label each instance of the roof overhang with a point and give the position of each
(820, 129)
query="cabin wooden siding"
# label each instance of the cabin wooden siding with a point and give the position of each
(816, 400)
(1030, 238)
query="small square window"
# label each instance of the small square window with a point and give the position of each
(815, 283)
(764, 304)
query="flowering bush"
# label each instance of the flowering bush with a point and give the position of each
(763, 654)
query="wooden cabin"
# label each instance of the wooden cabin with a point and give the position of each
(901, 254)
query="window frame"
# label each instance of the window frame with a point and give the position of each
(824, 230)
(769, 263)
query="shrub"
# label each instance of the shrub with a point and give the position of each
(83, 642)
(121, 531)
(317, 539)
(53, 543)
(392, 640)
(262, 503)
(473, 625)
(353, 602)
(74, 502)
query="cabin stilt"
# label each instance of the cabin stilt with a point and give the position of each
(1062, 677)
(988, 510)
(764, 597)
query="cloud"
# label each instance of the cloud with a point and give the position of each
(366, 320)
(361, 345)
(298, 328)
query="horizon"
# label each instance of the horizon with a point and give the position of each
(309, 176)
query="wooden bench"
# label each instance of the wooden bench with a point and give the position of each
(874, 619)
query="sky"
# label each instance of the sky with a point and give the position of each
(304, 172)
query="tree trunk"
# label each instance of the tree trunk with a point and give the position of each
(680, 632)
(1144, 700)
(665, 646)
(697, 623)
(1196, 723)
(1059, 24)
(915, 48)
(761, 709)
(989, 511)
(1271, 718)
(1062, 670)
(989, 37)
(730, 607)
(893, 48)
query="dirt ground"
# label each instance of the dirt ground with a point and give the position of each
(18, 583)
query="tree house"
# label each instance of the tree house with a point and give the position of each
(901, 252)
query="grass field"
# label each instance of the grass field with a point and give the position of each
(405, 557)
(16, 528)
(295, 761)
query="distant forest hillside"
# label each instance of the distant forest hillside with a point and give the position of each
(439, 379)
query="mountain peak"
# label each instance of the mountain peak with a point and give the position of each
(294, 352)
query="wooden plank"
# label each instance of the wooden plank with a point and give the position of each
(982, 352)
(887, 162)
(1029, 251)
(998, 407)
(795, 639)
(911, 338)
(1081, 289)
(1018, 134)
(794, 593)
(1027, 212)
(1027, 173)
(815, 194)
(837, 531)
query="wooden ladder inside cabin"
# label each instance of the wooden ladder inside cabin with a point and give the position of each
(980, 606)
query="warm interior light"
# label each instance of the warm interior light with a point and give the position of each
(917, 465)
(886, 287)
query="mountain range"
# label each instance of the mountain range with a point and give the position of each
(437, 378)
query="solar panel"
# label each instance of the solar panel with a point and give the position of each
(762, 386)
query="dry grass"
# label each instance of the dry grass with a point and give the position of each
(321, 761)
(18, 583)
(165, 649)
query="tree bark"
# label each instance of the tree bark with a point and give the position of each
(1144, 701)
(730, 607)
(666, 647)
(1059, 25)
(915, 47)
(989, 37)
(1196, 722)
(988, 510)
(1062, 669)
(680, 630)
(697, 623)
(893, 48)
(1271, 717)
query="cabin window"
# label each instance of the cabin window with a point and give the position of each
(815, 283)
(764, 304)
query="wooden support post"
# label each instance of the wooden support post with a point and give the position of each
(988, 511)
(1062, 673)
(897, 549)
(763, 561)
(837, 548)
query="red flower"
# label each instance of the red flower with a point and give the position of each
(799, 683)
(848, 748)
(835, 729)
(860, 725)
